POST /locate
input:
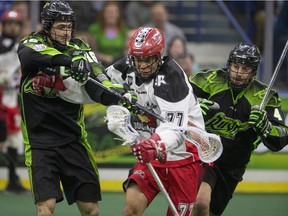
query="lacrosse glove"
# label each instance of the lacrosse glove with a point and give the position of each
(40, 81)
(129, 99)
(151, 149)
(259, 121)
(80, 68)
(207, 105)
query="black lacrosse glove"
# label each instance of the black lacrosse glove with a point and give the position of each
(259, 121)
(207, 105)
(80, 68)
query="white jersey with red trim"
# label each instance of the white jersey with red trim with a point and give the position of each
(9, 82)
(169, 95)
(9, 71)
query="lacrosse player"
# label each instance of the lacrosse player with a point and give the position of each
(9, 82)
(162, 87)
(230, 99)
(54, 133)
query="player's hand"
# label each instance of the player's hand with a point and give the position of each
(151, 149)
(259, 121)
(207, 105)
(129, 99)
(43, 80)
(80, 68)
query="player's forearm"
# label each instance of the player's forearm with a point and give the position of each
(99, 95)
(277, 138)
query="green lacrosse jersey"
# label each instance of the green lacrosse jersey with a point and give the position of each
(231, 120)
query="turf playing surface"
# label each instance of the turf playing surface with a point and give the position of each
(112, 204)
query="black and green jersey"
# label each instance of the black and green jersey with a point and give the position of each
(231, 120)
(47, 121)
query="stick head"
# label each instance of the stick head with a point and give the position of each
(209, 145)
(119, 123)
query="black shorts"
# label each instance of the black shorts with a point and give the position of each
(71, 164)
(223, 183)
(3, 130)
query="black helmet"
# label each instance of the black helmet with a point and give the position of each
(245, 54)
(57, 11)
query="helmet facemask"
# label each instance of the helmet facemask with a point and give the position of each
(146, 67)
(58, 12)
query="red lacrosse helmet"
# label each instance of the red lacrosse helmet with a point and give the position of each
(146, 42)
(11, 16)
(146, 45)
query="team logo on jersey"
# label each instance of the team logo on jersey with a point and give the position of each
(225, 126)
(39, 47)
(140, 173)
(160, 80)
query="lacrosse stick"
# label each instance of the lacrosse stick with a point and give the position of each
(119, 123)
(208, 144)
(274, 75)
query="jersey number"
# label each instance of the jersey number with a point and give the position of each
(176, 117)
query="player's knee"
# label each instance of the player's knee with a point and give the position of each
(45, 208)
(130, 210)
(201, 205)
(90, 212)
(88, 209)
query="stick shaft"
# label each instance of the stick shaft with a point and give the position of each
(276, 71)
(117, 94)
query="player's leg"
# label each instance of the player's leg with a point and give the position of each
(88, 208)
(135, 201)
(46, 207)
(201, 207)
(13, 143)
(227, 181)
(80, 178)
(140, 188)
(44, 176)
(203, 199)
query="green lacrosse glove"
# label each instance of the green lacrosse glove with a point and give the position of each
(80, 68)
(207, 105)
(259, 121)
(129, 99)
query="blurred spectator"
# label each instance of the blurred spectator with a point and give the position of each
(138, 13)
(177, 47)
(187, 62)
(280, 38)
(160, 19)
(110, 33)
(9, 82)
(129, 35)
(22, 7)
(85, 13)
(4, 5)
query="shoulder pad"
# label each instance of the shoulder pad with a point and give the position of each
(80, 43)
